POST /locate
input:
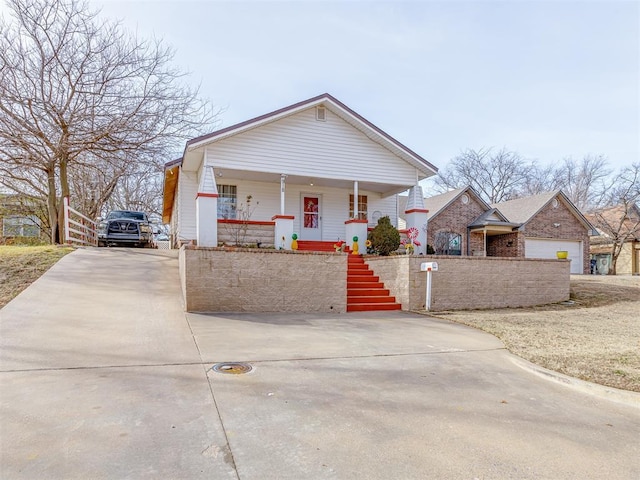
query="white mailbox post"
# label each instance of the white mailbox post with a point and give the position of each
(428, 267)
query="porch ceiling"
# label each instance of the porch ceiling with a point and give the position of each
(271, 177)
(492, 230)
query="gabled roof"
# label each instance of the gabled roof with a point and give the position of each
(492, 217)
(522, 210)
(335, 106)
(438, 203)
(623, 219)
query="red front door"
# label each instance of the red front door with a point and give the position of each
(311, 217)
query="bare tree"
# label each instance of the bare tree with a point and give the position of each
(584, 181)
(83, 102)
(496, 176)
(140, 191)
(619, 222)
(542, 179)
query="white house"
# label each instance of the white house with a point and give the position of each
(316, 169)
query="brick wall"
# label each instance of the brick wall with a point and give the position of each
(570, 228)
(507, 245)
(256, 232)
(251, 280)
(455, 218)
(476, 244)
(474, 282)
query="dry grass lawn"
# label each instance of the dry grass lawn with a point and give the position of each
(595, 339)
(21, 266)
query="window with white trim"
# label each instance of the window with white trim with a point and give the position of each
(448, 243)
(361, 214)
(227, 201)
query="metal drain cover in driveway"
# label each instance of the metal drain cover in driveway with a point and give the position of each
(234, 368)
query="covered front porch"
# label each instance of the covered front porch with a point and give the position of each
(491, 235)
(290, 211)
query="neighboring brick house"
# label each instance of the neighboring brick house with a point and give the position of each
(620, 226)
(549, 222)
(461, 223)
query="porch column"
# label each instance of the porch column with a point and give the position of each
(207, 210)
(282, 181)
(416, 216)
(355, 200)
(485, 241)
(283, 231)
(356, 228)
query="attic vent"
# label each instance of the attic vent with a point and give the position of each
(321, 114)
(554, 203)
(464, 199)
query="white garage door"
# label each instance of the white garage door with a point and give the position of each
(538, 248)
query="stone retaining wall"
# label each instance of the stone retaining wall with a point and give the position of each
(253, 280)
(474, 282)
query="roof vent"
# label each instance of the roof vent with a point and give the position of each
(321, 113)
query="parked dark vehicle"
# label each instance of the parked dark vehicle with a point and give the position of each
(126, 228)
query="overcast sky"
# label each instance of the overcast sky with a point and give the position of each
(548, 79)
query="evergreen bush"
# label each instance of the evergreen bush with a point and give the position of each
(385, 238)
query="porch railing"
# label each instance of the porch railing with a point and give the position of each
(78, 229)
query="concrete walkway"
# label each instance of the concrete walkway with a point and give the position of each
(103, 376)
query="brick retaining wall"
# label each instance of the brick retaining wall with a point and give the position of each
(474, 282)
(252, 280)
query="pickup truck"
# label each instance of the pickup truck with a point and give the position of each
(126, 228)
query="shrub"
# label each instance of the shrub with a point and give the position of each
(385, 238)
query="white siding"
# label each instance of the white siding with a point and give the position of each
(186, 206)
(387, 207)
(301, 145)
(335, 204)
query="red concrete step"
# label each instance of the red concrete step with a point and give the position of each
(359, 272)
(366, 285)
(355, 299)
(372, 307)
(357, 267)
(365, 292)
(319, 246)
(371, 292)
(315, 246)
(363, 279)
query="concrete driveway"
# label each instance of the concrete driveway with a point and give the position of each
(103, 376)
